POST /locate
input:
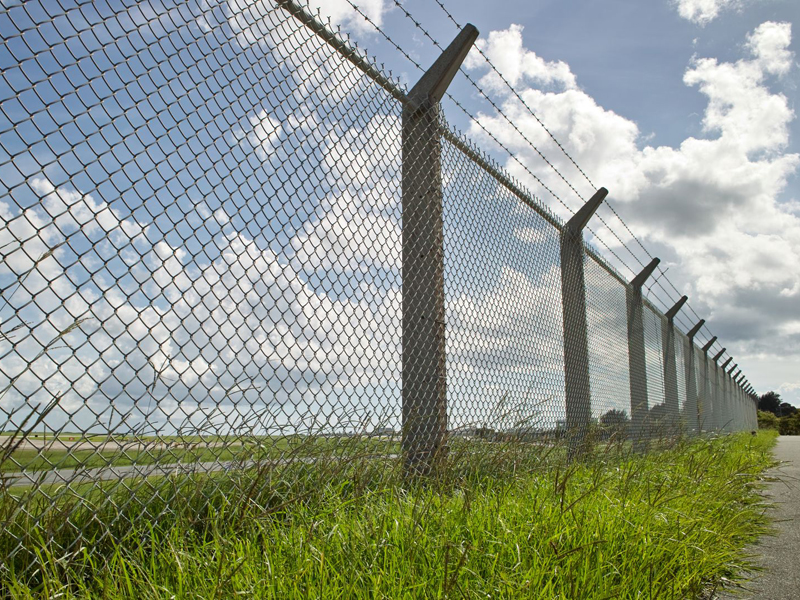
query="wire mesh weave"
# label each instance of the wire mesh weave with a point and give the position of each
(201, 231)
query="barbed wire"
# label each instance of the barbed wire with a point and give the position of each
(662, 272)
(492, 102)
(494, 138)
(519, 97)
(665, 304)
(499, 110)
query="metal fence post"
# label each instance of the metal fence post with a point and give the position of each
(743, 397)
(671, 366)
(745, 407)
(726, 408)
(737, 413)
(573, 304)
(735, 426)
(732, 393)
(716, 395)
(423, 360)
(706, 410)
(637, 361)
(743, 403)
(750, 408)
(737, 390)
(692, 405)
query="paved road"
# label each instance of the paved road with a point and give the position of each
(78, 476)
(71, 444)
(780, 555)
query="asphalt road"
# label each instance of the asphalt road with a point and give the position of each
(78, 476)
(779, 555)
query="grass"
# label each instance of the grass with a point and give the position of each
(669, 524)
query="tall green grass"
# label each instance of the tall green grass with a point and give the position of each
(669, 524)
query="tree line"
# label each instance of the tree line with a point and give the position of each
(773, 413)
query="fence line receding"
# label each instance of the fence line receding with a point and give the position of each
(234, 250)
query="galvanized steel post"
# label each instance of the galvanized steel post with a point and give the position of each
(727, 412)
(573, 305)
(706, 402)
(716, 402)
(689, 360)
(423, 358)
(670, 366)
(637, 362)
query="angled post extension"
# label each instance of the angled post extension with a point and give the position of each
(423, 360)
(573, 306)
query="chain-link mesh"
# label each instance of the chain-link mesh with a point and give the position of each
(503, 312)
(234, 256)
(607, 322)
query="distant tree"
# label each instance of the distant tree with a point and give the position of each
(770, 402)
(614, 422)
(614, 417)
(767, 420)
(789, 425)
(786, 409)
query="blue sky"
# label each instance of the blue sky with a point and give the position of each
(629, 56)
(702, 110)
(195, 189)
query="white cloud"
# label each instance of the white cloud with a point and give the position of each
(246, 319)
(769, 43)
(709, 206)
(494, 377)
(789, 387)
(704, 11)
(246, 18)
(517, 63)
(341, 12)
(263, 134)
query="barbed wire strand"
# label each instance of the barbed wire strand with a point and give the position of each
(555, 140)
(474, 119)
(494, 105)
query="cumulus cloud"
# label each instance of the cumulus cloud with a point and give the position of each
(704, 11)
(710, 206)
(244, 327)
(769, 43)
(342, 12)
(516, 63)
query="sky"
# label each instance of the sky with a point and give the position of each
(200, 205)
(684, 109)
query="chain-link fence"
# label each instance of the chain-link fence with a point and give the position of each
(237, 256)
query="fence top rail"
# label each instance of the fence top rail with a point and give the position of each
(297, 10)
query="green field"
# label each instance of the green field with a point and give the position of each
(669, 524)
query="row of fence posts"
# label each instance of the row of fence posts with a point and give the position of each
(725, 401)
(721, 402)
